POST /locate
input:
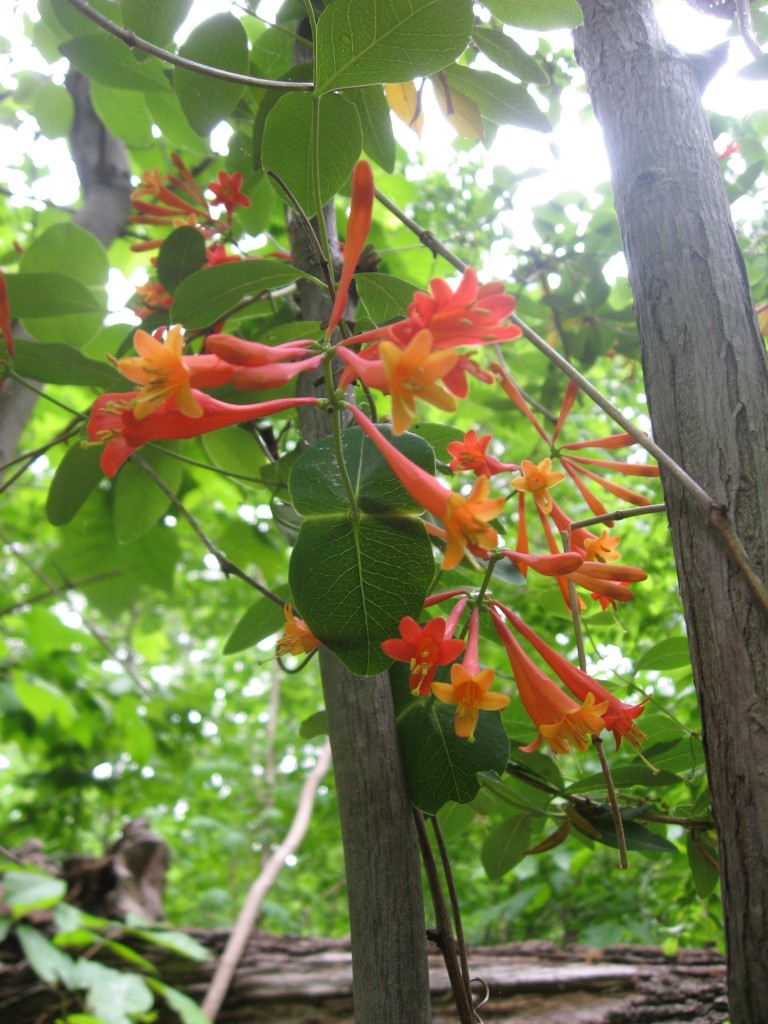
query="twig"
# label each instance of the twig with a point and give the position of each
(72, 584)
(227, 567)
(233, 950)
(130, 38)
(444, 935)
(625, 513)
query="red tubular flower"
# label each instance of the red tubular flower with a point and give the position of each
(227, 192)
(424, 648)
(470, 455)
(560, 720)
(275, 375)
(113, 422)
(619, 717)
(240, 352)
(467, 520)
(469, 686)
(358, 226)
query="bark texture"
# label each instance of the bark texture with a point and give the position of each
(381, 855)
(308, 981)
(706, 377)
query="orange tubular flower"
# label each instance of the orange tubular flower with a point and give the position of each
(561, 721)
(252, 353)
(537, 480)
(424, 648)
(164, 372)
(603, 548)
(470, 455)
(469, 686)
(298, 637)
(467, 520)
(114, 423)
(619, 717)
(358, 226)
(412, 373)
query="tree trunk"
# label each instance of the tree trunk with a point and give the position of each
(381, 854)
(706, 377)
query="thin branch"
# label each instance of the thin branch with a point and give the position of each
(443, 934)
(715, 514)
(44, 595)
(234, 948)
(453, 897)
(227, 567)
(625, 513)
(130, 38)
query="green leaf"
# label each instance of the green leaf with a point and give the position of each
(24, 891)
(109, 61)
(139, 502)
(76, 476)
(71, 250)
(168, 115)
(506, 845)
(177, 942)
(286, 147)
(43, 700)
(515, 792)
(236, 451)
(366, 42)
(220, 42)
(180, 255)
(537, 14)
(186, 1009)
(348, 588)
(498, 99)
(376, 122)
(202, 299)
(702, 860)
(455, 819)
(152, 21)
(49, 295)
(53, 363)
(317, 488)
(384, 297)
(509, 55)
(625, 776)
(51, 965)
(439, 765)
(260, 620)
(670, 653)
(53, 108)
(124, 113)
(315, 725)
(636, 836)
(117, 997)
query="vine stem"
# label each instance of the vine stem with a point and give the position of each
(715, 513)
(134, 41)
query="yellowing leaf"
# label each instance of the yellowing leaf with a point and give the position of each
(405, 102)
(460, 111)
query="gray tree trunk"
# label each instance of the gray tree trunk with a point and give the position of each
(706, 377)
(381, 854)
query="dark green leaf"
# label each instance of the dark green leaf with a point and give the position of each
(366, 42)
(702, 860)
(204, 298)
(384, 297)
(506, 845)
(315, 725)
(636, 836)
(220, 42)
(49, 295)
(236, 451)
(52, 363)
(625, 776)
(286, 147)
(77, 475)
(376, 122)
(181, 254)
(439, 765)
